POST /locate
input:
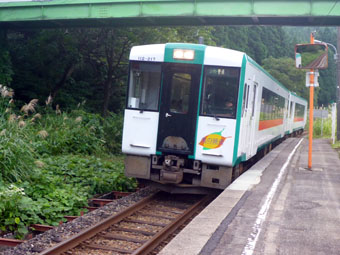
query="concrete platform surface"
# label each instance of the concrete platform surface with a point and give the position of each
(276, 207)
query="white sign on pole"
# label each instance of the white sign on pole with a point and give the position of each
(316, 75)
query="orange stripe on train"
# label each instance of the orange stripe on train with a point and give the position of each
(264, 124)
(298, 119)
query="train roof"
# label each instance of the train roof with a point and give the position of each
(299, 99)
(212, 55)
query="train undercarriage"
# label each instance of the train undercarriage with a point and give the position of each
(177, 174)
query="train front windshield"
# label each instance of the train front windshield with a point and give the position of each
(220, 91)
(144, 85)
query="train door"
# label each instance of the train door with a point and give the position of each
(290, 115)
(245, 119)
(252, 122)
(178, 109)
(249, 99)
(287, 115)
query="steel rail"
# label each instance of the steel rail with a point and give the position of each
(10, 242)
(95, 229)
(170, 228)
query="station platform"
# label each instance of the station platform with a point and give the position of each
(276, 207)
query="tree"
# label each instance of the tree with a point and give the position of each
(43, 62)
(283, 69)
(6, 70)
(327, 79)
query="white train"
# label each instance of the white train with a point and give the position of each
(195, 114)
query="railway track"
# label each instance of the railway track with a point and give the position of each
(137, 230)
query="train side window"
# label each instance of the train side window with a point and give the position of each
(220, 90)
(272, 105)
(144, 85)
(299, 112)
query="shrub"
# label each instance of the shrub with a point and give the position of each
(94, 174)
(326, 125)
(16, 152)
(77, 132)
(113, 126)
(17, 210)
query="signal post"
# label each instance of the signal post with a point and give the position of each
(311, 109)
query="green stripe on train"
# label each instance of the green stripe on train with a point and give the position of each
(199, 52)
(239, 109)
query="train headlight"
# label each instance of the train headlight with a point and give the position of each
(184, 54)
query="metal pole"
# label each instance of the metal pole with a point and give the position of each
(338, 89)
(333, 121)
(311, 105)
(321, 121)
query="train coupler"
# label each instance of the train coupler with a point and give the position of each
(172, 170)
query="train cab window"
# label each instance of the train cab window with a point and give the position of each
(180, 90)
(220, 91)
(145, 80)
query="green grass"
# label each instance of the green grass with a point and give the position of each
(325, 126)
(336, 144)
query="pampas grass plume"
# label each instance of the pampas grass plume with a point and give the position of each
(12, 118)
(22, 123)
(78, 119)
(43, 134)
(39, 163)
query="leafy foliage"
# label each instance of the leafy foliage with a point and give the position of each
(76, 132)
(327, 80)
(6, 70)
(16, 210)
(61, 187)
(94, 174)
(14, 143)
(113, 127)
(324, 126)
(258, 42)
(283, 69)
(52, 162)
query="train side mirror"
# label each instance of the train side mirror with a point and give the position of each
(311, 56)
